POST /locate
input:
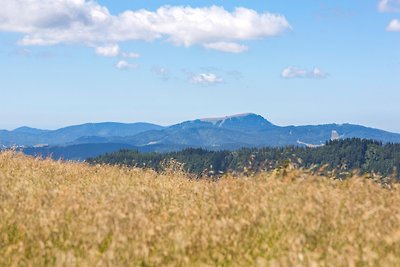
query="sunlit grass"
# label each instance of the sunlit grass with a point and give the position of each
(70, 214)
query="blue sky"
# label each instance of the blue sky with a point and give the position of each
(308, 62)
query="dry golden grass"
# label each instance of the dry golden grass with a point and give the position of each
(69, 214)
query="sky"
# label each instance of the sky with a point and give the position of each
(65, 62)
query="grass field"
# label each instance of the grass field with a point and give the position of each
(70, 214)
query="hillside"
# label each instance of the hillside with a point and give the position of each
(69, 214)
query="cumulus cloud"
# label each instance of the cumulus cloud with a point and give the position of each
(108, 51)
(394, 26)
(227, 47)
(124, 65)
(206, 79)
(295, 72)
(49, 22)
(389, 5)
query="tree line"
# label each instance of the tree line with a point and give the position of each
(339, 158)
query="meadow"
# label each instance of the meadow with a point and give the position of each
(55, 213)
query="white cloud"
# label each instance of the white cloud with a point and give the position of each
(108, 51)
(49, 22)
(295, 72)
(227, 47)
(124, 65)
(389, 5)
(114, 51)
(394, 26)
(206, 79)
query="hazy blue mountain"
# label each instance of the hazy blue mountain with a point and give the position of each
(240, 123)
(107, 129)
(10, 138)
(26, 136)
(226, 133)
(189, 136)
(251, 130)
(29, 130)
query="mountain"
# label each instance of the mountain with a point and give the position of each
(26, 136)
(251, 130)
(243, 123)
(225, 133)
(28, 130)
(107, 129)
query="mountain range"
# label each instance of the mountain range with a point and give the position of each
(227, 133)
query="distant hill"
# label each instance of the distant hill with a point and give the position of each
(28, 130)
(225, 133)
(26, 136)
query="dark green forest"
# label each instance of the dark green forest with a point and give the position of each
(339, 158)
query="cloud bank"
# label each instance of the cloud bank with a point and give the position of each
(50, 22)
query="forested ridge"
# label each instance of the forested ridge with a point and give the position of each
(340, 157)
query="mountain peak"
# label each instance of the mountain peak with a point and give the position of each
(28, 130)
(237, 116)
(240, 122)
